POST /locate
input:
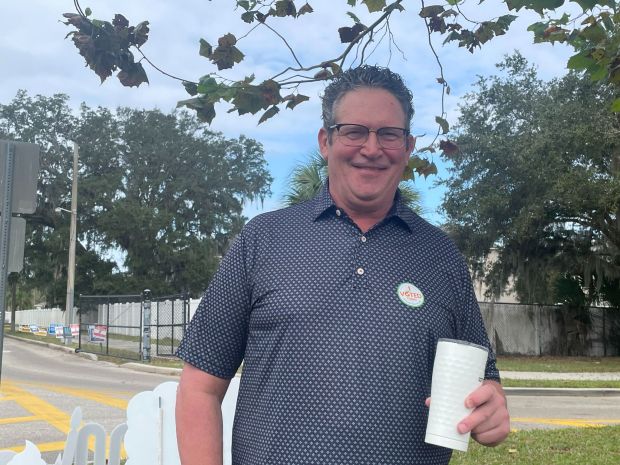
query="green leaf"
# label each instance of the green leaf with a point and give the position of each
(190, 87)
(505, 21)
(88, 12)
(305, 9)
(204, 109)
(285, 8)
(579, 61)
(540, 6)
(347, 34)
(428, 170)
(353, 17)
(445, 127)
(251, 99)
(431, 10)
(248, 17)
(206, 50)
(448, 147)
(226, 54)
(615, 106)
(587, 4)
(518, 4)
(132, 75)
(597, 72)
(351, 2)
(293, 101)
(374, 5)
(245, 4)
(269, 114)
(595, 33)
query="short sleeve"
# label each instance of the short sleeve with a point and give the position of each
(216, 336)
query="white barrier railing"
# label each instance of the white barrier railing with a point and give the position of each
(149, 435)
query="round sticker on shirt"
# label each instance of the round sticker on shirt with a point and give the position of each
(410, 295)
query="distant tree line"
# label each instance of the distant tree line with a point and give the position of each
(158, 190)
(537, 179)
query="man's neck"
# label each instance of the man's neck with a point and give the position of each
(367, 219)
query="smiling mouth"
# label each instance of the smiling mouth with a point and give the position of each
(366, 167)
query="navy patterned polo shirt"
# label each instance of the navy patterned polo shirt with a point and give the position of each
(337, 330)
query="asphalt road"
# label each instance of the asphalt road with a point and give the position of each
(41, 387)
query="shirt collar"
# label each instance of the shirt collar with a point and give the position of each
(323, 204)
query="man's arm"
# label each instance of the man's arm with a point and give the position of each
(199, 416)
(489, 422)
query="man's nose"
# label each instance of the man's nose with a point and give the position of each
(372, 146)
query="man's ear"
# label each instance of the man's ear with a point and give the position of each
(410, 144)
(323, 138)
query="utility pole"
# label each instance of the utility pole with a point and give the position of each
(72, 239)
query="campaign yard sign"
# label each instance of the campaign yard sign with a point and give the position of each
(97, 333)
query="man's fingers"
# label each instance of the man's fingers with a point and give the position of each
(480, 396)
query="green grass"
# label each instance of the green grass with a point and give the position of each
(46, 339)
(571, 446)
(560, 364)
(544, 383)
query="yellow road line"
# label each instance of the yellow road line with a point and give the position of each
(575, 422)
(97, 396)
(8, 421)
(43, 447)
(57, 418)
(89, 395)
(33, 404)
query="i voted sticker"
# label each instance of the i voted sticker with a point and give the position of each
(410, 295)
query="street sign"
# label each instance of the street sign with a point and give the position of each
(25, 175)
(17, 241)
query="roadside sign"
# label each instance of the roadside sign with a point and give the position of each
(17, 240)
(25, 176)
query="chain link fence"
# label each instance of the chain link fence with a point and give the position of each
(171, 315)
(521, 329)
(113, 325)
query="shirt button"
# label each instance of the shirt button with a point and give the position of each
(338, 213)
(363, 239)
(360, 271)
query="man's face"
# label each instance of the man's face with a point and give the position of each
(364, 179)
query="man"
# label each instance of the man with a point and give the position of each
(335, 307)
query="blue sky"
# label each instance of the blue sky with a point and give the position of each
(35, 56)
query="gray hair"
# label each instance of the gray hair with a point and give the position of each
(366, 76)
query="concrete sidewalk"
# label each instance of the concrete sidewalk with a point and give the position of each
(510, 391)
(605, 376)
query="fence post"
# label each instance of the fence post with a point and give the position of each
(146, 326)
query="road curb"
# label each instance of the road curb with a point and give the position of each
(573, 392)
(152, 369)
(69, 350)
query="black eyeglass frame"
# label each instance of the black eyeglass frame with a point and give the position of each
(337, 127)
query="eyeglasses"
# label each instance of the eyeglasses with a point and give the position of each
(356, 135)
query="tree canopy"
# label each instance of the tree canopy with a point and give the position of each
(159, 190)
(537, 179)
(590, 27)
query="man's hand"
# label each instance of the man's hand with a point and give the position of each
(489, 422)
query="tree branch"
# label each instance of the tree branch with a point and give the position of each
(285, 42)
(161, 70)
